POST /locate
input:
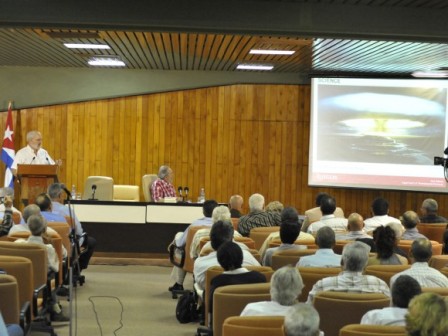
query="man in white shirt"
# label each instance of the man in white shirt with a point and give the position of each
(380, 210)
(221, 232)
(328, 207)
(33, 153)
(421, 252)
(403, 290)
(324, 256)
(314, 214)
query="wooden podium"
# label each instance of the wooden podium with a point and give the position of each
(34, 180)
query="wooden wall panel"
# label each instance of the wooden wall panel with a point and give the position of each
(231, 139)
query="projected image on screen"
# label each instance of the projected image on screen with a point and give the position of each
(378, 133)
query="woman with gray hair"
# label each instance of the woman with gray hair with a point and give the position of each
(286, 286)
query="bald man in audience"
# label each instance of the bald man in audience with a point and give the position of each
(410, 221)
(421, 253)
(355, 226)
(236, 206)
(315, 214)
(328, 207)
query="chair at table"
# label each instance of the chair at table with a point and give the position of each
(439, 261)
(104, 188)
(311, 275)
(253, 326)
(385, 272)
(337, 309)
(231, 300)
(372, 330)
(12, 311)
(289, 257)
(147, 181)
(259, 234)
(126, 193)
(432, 231)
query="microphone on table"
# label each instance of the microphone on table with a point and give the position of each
(186, 190)
(93, 192)
(179, 190)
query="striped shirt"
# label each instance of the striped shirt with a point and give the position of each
(161, 189)
(257, 219)
(426, 276)
(352, 282)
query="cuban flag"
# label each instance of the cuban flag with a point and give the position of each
(8, 152)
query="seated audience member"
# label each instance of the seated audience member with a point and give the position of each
(220, 213)
(385, 242)
(236, 206)
(56, 192)
(403, 290)
(221, 232)
(286, 286)
(163, 186)
(429, 216)
(355, 226)
(230, 257)
(289, 231)
(302, 320)
(380, 210)
(178, 274)
(275, 208)
(328, 207)
(9, 192)
(257, 216)
(324, 256)
(421, 252)
(43, 201)
(9, 329)
(38, 225)
(315, 214)
(7, 221)
(427, 315)
(410, 221)
(29, 210)
(351, 279)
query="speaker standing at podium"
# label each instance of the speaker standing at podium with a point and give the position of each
(33, 153)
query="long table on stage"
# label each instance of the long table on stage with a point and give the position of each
(135, 227)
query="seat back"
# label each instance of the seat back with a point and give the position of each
(9, 303)
(104, 188)
(245, 240)
(339, 246)
(289, 257)
(126, 193)
(311, 275)
(147, 181)
(259, 234)
(276, 242)
(443, 291)
(337, 309)
(439, 261)
(253, 326)
(432, 231)
(35, 252)
(372, 330)
(385, 272)
(16, 217)
(63, 229)
(444, 271)
(231, 300)
(217, 270)
(405, 245)
(188, 264)
(20, 268)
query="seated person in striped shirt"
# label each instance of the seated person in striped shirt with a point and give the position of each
(163, 186)
(354, 259)
(257, 216)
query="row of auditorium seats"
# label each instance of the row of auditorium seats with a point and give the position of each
(106, 190)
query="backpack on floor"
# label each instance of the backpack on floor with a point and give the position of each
(186, 308)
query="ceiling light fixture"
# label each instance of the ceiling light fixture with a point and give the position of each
(271, 52)
(86, 46)
(103, 61)
(437, 73)
(254, 67)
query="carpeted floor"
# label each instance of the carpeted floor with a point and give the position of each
(130, 300)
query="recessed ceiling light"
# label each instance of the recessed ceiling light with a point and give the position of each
(441, 73)
(254, 67)
(271, 52)
(86, 46)
(100, 61)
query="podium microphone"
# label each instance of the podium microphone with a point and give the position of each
(445, 151)
(93, 192)
(179, 190)
(186, 190)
